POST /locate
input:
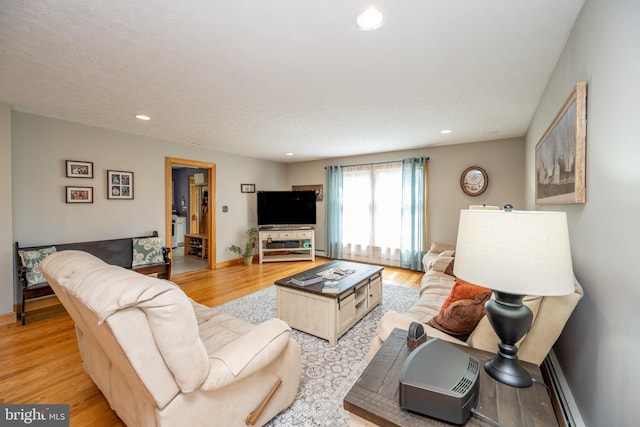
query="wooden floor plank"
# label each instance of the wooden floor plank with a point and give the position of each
(40, 362)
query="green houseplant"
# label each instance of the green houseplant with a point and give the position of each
(247, 252)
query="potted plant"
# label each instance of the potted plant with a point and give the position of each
(247, 252)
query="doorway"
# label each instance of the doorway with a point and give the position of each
(203, 209)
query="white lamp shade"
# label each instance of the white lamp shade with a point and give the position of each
(517, 252)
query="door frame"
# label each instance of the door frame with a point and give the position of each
(194, 206)
(211, 217)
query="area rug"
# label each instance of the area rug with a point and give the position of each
(327, 372)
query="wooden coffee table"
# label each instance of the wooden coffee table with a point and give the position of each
(374, 398)
(325, 315)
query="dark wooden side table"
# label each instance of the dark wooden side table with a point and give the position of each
(374, 398)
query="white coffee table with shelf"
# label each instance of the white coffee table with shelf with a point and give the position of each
(330, 315)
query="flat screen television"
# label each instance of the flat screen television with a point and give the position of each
(286, 208)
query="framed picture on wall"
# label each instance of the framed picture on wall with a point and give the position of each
(77, 169)
(318, 188)
(119, 185)
(560, 154)
(79, 194)
(247, 188)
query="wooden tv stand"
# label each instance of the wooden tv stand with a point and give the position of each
(286, 244)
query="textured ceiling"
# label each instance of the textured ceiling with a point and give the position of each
(265, 77)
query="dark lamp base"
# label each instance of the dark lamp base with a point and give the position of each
(510, 320)
(508, 371)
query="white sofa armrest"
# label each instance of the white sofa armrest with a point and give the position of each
(391, 320)
(248, 354)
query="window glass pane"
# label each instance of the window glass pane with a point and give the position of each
(372, 209)
(387, 208)
(357, 207)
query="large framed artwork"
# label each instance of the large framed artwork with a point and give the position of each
(119, 185)
(560, 153)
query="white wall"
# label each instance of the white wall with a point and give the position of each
(600, 347)
(503, 160)
(6, 217)
(40, 147)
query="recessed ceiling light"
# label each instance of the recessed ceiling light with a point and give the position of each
(446, 131)
(142, 117)
(288, 154)
(370, 19)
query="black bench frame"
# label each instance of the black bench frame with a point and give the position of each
(115, 251)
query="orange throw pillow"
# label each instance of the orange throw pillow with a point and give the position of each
(462, 290)
(461, 317)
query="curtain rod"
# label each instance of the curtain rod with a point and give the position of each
(373, 163)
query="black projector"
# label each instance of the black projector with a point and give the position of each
(440, 381)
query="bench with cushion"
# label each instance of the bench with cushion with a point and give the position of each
(144, 254)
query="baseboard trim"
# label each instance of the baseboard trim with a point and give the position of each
(38, 303)
(231, 262)
(8, 318)
(564, 404)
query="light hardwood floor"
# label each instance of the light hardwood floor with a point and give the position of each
(40, 362)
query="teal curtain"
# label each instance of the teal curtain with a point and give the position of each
(334, 212)
(413, 243)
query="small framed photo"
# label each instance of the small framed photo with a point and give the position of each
(119, 185)
(247, 188)
(77, 169)
(79, 194)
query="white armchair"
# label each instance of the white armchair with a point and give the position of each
(162, 359)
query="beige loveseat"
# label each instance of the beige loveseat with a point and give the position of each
(550, 313)
(162, 359)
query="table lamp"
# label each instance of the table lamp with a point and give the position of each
(513, 253)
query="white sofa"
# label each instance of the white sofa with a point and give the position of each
(161, 359)
(550, 313)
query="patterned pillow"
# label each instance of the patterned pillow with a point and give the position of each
(146, 251)
(30, 260)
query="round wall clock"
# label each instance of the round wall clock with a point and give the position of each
(474, 180)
